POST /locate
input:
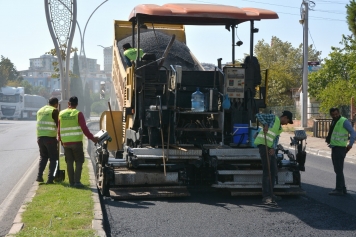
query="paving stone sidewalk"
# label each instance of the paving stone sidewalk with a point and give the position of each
(316, 146)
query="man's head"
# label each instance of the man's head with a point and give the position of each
(53, 101)
(286, 117)
(126, 46)
(335, 113)
(73, 102)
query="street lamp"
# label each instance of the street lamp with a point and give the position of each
(105, 55)
(82, 41)
(82, 48)
(61, 28)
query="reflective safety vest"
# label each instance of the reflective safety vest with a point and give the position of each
(70, 129)
(270, 135)
(131, 53)
(46, 126)
(340, 135)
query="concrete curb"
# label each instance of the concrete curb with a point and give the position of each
(17, 224)
(97, 222)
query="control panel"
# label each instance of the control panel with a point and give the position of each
(234, 82)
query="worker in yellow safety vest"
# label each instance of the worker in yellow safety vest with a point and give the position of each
(47, 123)
(130, 54)
(71, 128)
(337, 138)
(270, 134)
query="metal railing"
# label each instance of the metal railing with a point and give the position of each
(321, 127)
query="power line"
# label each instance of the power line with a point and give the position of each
(312, 39)
(333, 12)
(332, 2)
(327, 11)
(316, 17)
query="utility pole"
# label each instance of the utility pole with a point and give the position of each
(304, 21)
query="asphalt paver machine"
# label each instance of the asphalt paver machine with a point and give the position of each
(161, 146)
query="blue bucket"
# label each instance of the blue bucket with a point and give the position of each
(240, 134)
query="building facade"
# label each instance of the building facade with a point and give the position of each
(107, 59)
(41, 70)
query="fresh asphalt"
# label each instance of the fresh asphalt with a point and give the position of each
(217, 214)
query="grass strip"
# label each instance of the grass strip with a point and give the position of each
(60, 210)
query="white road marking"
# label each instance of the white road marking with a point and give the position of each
(12, 196)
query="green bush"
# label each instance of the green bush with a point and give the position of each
(99, 106)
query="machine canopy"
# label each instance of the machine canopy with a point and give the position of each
(198, 14)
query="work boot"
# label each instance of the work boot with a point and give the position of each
(49, 182)
(267, 200)
(39, 179)
(78, 185)
(336, 192)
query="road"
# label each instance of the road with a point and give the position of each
(18, 167)
(218, 214)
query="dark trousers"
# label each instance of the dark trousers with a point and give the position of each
(127, 61)
(48, 150)
(74, 154)
(338, 154)
(266, 184)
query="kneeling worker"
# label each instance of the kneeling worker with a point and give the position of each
(71, 127)
(130, 54)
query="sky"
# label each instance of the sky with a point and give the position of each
(24, 31)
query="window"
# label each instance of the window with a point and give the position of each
(9, 98)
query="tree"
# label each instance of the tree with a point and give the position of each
(14, 83)
(28, 87)
(335, 83)
(88, 100)
(40, 90)
(285, 68)
(53, 52)
(76, 86)
(63, 50)
(351, 16)
(8, 72)
(99, 107)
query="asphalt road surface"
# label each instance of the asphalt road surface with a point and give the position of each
(18, 167)
(219, 214)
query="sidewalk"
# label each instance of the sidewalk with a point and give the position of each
(315, 146)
